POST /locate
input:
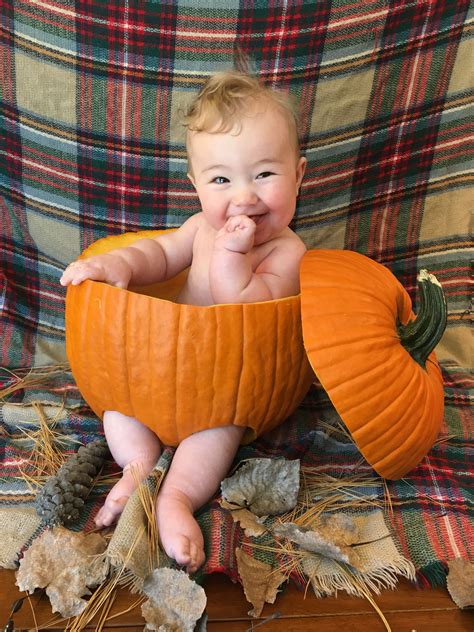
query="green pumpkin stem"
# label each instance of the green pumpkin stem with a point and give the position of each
(421, 336)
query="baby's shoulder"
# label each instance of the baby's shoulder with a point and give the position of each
(283, 252)
(190, 229)
(288, 241)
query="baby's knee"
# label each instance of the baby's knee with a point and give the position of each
(223, 438)
(130, 441)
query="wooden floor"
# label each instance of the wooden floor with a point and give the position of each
(406, 609)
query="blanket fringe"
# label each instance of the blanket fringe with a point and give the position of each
(357, 583)
(433, 575)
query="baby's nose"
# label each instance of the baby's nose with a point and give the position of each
(245, 197)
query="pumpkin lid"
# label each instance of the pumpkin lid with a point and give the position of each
(372, 358)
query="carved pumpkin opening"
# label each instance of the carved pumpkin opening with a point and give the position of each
(167, 290)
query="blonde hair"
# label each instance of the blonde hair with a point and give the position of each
(227, 97)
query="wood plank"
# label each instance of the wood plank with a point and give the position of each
(406, 608)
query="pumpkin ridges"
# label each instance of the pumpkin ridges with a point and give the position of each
(225, 327)
(306, 374)
(285, 319)
(351, 344)
(87, 291)
(214, 363)
(226, 324)
(394, 433)
(402, 437)
(132, 324)
(189, 373)
(355, 410)
(117, 305)
(351, 268)
(288, 317)
(245, 393)
(281, 318)
(409, 452)
(158, 384)
(414, 439)
(274, 369)
(342, 364)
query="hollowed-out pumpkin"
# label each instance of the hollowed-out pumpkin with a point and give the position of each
(184, 368)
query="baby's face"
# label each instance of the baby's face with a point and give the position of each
(251, 171)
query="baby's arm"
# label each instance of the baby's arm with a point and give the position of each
(231, 275)
(146, 261)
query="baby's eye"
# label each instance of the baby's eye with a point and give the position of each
(265, 174)
(219, 180)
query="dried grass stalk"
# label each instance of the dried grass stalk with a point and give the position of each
(147, 490)
(321, 493)
(30, 378)
(48, 446)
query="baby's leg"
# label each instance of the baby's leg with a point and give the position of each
(136, 449)
(199, 465)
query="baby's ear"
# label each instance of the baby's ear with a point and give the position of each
(300, 169)
(191, 177)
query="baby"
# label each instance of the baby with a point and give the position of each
(244, 162)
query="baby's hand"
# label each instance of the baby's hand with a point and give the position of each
(237, 234)
(108, 268)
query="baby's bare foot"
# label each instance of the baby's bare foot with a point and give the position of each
(120, 493)
(180, 535)
(110, 511)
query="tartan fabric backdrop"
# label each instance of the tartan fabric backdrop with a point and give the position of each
(91, 144)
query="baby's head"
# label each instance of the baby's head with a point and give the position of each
(227, 97)
(243, 153)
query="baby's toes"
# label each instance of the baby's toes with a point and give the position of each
(110, 512)
(103, 518)
(197, 558)
(181, 550)
(187, 553)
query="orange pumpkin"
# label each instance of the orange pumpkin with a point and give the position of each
(184, 368)
(376, 365)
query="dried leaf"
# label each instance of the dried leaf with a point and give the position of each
(460, 582)
(67, 564)
(332, 537)
(175, 602)
(259, 581)
(265, 486)
(250, 523)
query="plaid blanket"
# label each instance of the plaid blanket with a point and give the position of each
(91, 144)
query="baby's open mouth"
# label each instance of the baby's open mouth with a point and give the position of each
(257, 218)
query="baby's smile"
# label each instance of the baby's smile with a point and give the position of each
(258, 218)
